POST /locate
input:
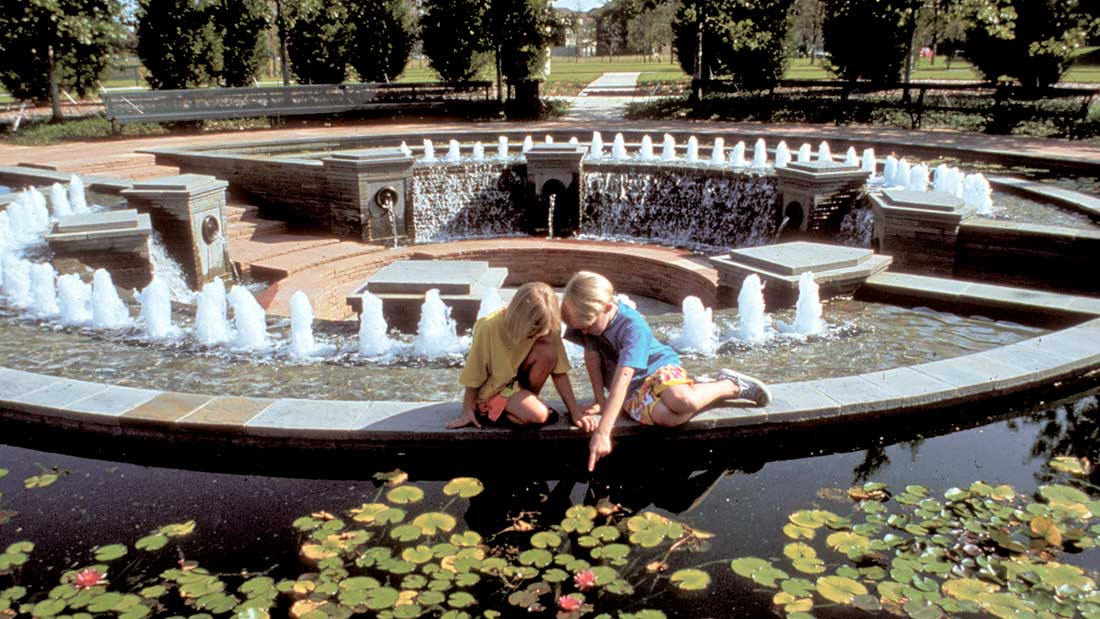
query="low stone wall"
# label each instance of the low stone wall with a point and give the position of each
(1046, 257)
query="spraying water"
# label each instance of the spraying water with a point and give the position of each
(59, 201)
(502, 147)
(668, 148)
(76, 195)
(805, 153)
(528, 144)
(823, 152)
(211, 321)
(595, 147)
(737, 155)
(478, 152)
(692, 154)
(38, 209)
(868, 161)
(405, 150)
(782, 155)
(718, 152)
(7, 239)
(436, 333)
(156, 310)
(429, 151)
(490, 303)
(44, 290)
(167, 270)
(17, 282)
(976, 192)
(618, 148)
(74, 298)
(750, 310)
(302, 343)
(889, 170)
(918, 178)
(698, 332)
(759, 154)
(645, 151)
(108, 310)
(807, 319)
(454, 152)
(373, 341)
(901, 177)
(249, 320)
(851, 159)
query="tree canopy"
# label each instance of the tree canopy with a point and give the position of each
(381, 35)
(178, 43)
(742, 39)
(317, 42)
(453, 34)
(241, 25)
(869, 39)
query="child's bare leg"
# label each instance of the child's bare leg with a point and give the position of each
(537, 366)
(680, 403)
(525, 407)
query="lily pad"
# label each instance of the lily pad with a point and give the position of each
(179, 530)
(840, 589)
(432, 522)
(1069, 464)
(690, 579)
(403, 495)
(110, 552)
(798, 551)
(40, 481)
(545, 539)
(968, 589)
(153, 542)
(465, 487)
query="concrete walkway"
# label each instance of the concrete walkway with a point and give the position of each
(605, 98)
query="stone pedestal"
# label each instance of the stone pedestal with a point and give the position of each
(114, 240)
(836, 269)
(556, 171)
(402, 285)
(188, 212)
(920, 229)
(370, 194)
(815, 195)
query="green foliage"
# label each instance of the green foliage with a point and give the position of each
(381, 36)
(878, 52)
(452, 32)
(178, 43)
(241, 26)
(519, 33)
(1032, 41)
(742, 39)
(317, 42)
(80, 35)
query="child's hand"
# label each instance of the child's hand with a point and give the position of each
(598, 446)
(586, 422)
(466, 418)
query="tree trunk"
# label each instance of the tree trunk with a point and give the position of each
(280, 19)
(908, 66)
(55, 88)
(500, 82)
(697, 78)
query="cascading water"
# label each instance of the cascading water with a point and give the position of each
(759, 154)
(618, 148)
(471, 200)
(39, 210)
(668, 148)
(249, 320)
(737, 155)
(302, 343)
(595, 147)
(7, 240)
(156, 311)
(373, 341)
(752, 322)
(168, 271)
(59, 201)
(211, 319)
(718, 152)
(74, 299)
(782, 155)
(698, 333)
(44, 290)
(436, 332)
(108, 310)
(490, 303)
(645, 152)
(808, 311)
(77, 199)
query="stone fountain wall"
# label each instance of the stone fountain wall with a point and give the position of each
(466, 200)
(688, 207)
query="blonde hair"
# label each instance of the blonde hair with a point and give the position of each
(586, 295)
(533, 312)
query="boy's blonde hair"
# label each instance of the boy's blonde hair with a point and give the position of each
(586, 295)
(532, 312)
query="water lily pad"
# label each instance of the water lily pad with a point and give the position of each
(690, 579)
(419, 554)
(378, 598)
(844, 541)
(795, 531)
(48, 608)
(538, 557)
(406, 532)
(149, 543)
(461, 599)
(811, 518)
(465, 487)
(432, 522)
(110, 552)
(612, 552)
(3, 472)
(545, 539)
(840, 589)
(809, 566)
(404, 495)
(179, 529)
(1071, 465)
(40, 481)
(798, 550)
(745, 566)
(216, 603)
(968, 588)
(1061, 495)
(1046, 529)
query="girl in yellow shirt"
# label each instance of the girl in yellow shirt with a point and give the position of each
(514, 351)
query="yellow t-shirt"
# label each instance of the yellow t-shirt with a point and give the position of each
(493, 361)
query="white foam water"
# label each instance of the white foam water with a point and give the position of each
(156, 311)
(718, 151)
(737, 155)
(373, 341)
(490, 303)
(74, 299)
(759, 154)
(77, 200)
(595, 147)
(302, 342)
(618, 148)
(645, 151)
(436, 332)
(697, 333)
(823, 152)
(782, 155)
(429, 151)
(249, 319)
(502, 147)
(108, 310)
(211, 316)
(59, 200)
(808, 310)
(805, 153)
(752, 322)
(668, 148)
(17, 282)
(44, 290)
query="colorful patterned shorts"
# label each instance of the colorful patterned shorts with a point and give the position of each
(494, 406)
(639, 405)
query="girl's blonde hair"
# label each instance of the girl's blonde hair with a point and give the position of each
(586, 295)
(532, 312)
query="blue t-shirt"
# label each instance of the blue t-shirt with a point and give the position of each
(626, 342)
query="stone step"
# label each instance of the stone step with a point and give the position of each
(259, 227)
(244, 252)
(312, 258)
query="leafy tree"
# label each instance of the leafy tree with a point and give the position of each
(317, 42)
(869, 39)
(942, 24)
(1032, 41)
(453, 37)
(807, 18)
(518, 33)
(241, 25)
(47, 45)
(178, 43)
(613, 25)
(652, 29)
(382, 35)
(743, 39)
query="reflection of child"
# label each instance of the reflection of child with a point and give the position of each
(642, 375)
(514, 351)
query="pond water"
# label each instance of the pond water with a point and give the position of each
(1017, 208)
(245, 523)
(862, 337)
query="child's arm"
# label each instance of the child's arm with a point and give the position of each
(595, 376)
(565, 390)
(468, 416)
(600, 443)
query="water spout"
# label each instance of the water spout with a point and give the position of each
(373, 341)
(805, 153)
(750, 311)
(156, 310)
(249, 319)
(737, 155)
(698, 333)
(595, 148)
(44, 290)
(502, 147)
(759, 154)
(211, 321)
(668, 148)
(645, 152)
(74, 298)
(302, 343)
(436, 333)
(429, 151)
(76, 195)
(108, 310)
(59, 200)
(782, 155)
(808, 311)
(618, 148)
(718, 152)
(490, 303)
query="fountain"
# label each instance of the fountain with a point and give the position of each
(249, 320)
(302, 343)
(454, 152)
(782, 155)
(808, 310)
(74, 299)
(868, 162)
(823, 152)
(76, 195)
(805, 153)
(976, 192)
(692, 154)
(156, 311)
(405, 150)
(549, 139)
(889, 170)
(59, 201)
(668, 149)
(918, 178)
(429, 151)
(478, 152)
(698, 333)
(502, 147)
(618, 148)
(759, 154)
(44, 290)
(752, 322)
(17, 281)
(436, 333)
(718, 152)
(851, 159)
(211, 318)
(7, 240)
(737, 155)
(108, 310)
(595, 147)
(490, 303)
(645, 151)
(373, 341)
(901, 177)
(528, 143)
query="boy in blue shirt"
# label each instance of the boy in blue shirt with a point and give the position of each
(642, 376)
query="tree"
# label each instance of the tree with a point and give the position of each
(651, 29)
(942, 24)
(453, 37)
(317, 42)
(178, 44)
(241, 25)
(742, 39)
(382, 35)
(613, 24)
(869, 39)
(1032, 41)
(807, 19)
(518, 33)
(47, 45)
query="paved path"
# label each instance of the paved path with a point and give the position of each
(605, 98)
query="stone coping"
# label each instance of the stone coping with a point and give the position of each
(1067, 198)
(1060, 356)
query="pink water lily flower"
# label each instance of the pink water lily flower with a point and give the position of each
(88, 578)
(569, 603)
(584, 580)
